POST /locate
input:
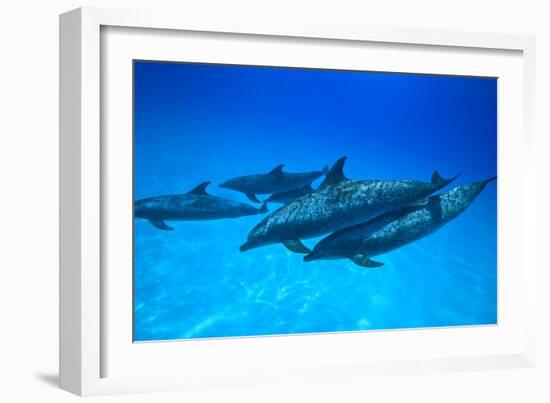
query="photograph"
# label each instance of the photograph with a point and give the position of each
(275, 200)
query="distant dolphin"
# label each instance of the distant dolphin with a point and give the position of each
(275, 181)
(338, 203)
(194, 205)
(397, 228)
(289, 196)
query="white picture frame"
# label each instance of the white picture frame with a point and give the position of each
(84, 342)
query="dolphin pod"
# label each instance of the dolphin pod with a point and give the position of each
(364, 218)
(193, 205)
(338, 203)
(397, 228)
(275, 181)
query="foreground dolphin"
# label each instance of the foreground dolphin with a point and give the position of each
(275, 181)
(397, 228)
(194, 205)
(289, 196)
(338, 203)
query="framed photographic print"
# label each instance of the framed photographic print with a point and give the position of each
(200, 127)
(251, 201)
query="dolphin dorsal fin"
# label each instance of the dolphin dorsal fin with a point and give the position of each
(335, 175)
(436, 178)
(278, 170)
(200, 189)
(439, 181)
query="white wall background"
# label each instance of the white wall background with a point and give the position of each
(29, 187)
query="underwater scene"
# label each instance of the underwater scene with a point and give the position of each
(276, 201)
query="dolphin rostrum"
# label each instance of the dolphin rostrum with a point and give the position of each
(396, 228)
(290, 195)
(193, 205)
(338, 203)
(275, 181)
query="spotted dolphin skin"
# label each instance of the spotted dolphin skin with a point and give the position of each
(338, 203)
(194, 205)
(397, 228)
(275, 181)
(289, 196)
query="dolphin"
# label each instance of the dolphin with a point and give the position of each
(336, 204)
(290, 195)
(193, 205)
(396, 228)
(275, 181)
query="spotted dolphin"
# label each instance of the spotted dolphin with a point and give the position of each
(336, 204)
(275, 181)
(396, 228)
(290, 195)
(193, 205)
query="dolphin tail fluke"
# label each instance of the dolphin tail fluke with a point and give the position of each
(161, 225)
(440, 182)
(488, 180)
(365, 261)
(263, 209)
(296, 246)
(252, 197)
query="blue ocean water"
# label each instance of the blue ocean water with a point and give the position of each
(197, 122)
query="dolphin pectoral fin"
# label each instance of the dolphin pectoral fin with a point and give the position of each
(252, 197)
(161, 225)
(365, 261)
(296, 246)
